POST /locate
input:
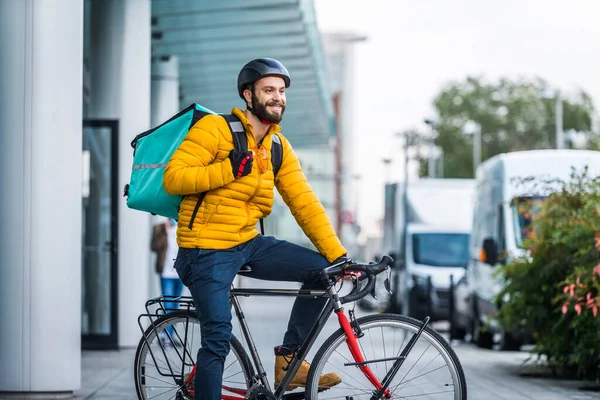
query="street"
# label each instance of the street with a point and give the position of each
(490, 374)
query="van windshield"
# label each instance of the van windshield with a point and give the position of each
(441, 249)
(524, 211)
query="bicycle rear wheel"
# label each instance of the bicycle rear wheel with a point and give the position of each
(166, 356)
(430, 371)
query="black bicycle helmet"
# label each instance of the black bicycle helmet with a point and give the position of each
(260, 68)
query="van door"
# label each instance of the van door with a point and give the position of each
(482, 270)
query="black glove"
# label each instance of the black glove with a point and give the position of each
(241, 162)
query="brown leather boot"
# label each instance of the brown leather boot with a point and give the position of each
(282, 361)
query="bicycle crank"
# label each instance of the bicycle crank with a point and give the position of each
(259, 392)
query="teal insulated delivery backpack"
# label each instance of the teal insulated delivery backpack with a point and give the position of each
(153, 149)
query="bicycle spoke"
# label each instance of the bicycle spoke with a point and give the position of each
(420, 384)
(166, 363)
(384, 349)
(228, 377)
(160, 394)
(152, 374)
(418, 373)
(345, 396)
(427, 394)
(161, 380)
(411, 368)
(377, 364)
(420, 376)
(342, 371)
(428, 372)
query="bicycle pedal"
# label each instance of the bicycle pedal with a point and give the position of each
(300, 395)
(293, 396)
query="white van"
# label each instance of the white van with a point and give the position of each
(433, 254)
(436, 246)
(501, 222)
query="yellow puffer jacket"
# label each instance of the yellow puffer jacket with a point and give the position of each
(232, 207)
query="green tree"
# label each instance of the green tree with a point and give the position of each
(513, 115)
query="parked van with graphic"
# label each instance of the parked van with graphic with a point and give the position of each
(504, 210)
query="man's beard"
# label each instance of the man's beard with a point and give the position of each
(260, 110)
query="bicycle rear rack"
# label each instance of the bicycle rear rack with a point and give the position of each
(156, 308)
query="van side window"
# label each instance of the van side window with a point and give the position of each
(501, 235)
(476, 238)
(488, 223)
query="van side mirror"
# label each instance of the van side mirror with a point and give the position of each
(489, 252)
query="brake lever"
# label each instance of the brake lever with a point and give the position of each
(386, 283)
(374, 287)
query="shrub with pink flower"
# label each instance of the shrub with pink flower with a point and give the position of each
(555, 292)
(579, 298)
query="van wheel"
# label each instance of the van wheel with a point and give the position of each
(509, 343)
(394, 306)
(411, 311)
(481, 337)
(485, 340)
(457, 333)
(394, 309)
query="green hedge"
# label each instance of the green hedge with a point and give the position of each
(554, 292)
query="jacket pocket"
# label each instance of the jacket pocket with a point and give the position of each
(209, 211)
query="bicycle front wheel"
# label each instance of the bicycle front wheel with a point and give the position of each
(166, 356)
(431, 369)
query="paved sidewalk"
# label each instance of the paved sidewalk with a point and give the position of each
(496, 375)
(491, 375)
(107, 375)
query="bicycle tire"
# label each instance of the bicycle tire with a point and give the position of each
(237, 350)
(411, 325)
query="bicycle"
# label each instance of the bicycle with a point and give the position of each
(165, 356)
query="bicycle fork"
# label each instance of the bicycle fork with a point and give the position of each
(382, 387)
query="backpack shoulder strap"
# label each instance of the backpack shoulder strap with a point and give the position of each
(240, 141)
(276, 153)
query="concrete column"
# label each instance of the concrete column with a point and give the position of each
(164, 103)
(165, 90)
(120, 89)
(41, 58)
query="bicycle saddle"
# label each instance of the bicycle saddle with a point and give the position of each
(245, 269)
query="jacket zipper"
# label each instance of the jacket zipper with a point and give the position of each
(257, 188)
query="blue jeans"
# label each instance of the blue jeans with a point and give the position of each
(170, 287)
(209, 275)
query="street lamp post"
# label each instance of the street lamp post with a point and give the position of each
(410, 139)
(476, 149)
(560, 137)
(386, 163)
(431, 155)
(474, 128)
(558, 115)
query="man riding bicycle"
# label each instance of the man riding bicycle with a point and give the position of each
(223, 237)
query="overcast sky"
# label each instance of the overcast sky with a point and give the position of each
(415, 47)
